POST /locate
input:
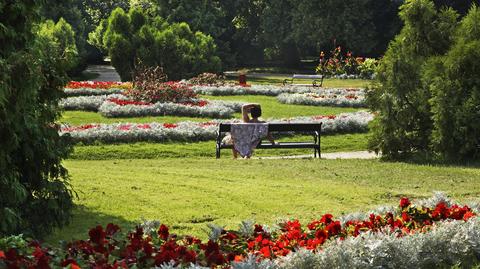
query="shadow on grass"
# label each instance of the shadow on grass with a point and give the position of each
(83, 220)
(421, 159)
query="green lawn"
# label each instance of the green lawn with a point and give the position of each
(188, 193)
(331, 143)
(270, 106)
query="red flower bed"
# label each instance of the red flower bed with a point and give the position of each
(92, 84)
(170, 91)
(200, 103)
(80, 128)
(170, 125)
(107, 248)
(128, 102)
(321, 117)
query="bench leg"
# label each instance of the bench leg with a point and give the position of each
(217, 153)
(314, 153)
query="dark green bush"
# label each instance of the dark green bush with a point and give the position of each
(34, 186)
(455, 84)
(134, 36)
(404, 123)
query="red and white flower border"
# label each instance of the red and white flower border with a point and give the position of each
(200, 131)
(118, 105)
(348, 99)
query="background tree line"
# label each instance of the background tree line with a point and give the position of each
(253, 32)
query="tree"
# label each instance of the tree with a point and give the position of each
(34, 187)
(404, 122)
(62, 40)
(71, 12)
(278, 31)
(454, 80)
(206, 16)
(461, 6)
(322, 24)
(135, 37)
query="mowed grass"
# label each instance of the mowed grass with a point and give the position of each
(270, 106)
(329, 143)
(188, 193)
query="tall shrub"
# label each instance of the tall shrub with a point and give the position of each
(404, 122)
(62, 38)
(455, 84)
(134, 36)
(34, 190)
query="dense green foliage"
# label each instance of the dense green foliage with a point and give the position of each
(62, 40)
(427, 95)
(83, 16)
(250, 32)
(34, 187)
(137, 37)
(404, 122)
(455, 84)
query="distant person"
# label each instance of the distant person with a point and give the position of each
(253, 134)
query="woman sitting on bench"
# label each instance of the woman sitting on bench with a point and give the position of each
(255, 112)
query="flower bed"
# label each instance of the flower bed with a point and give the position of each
(117, 105)
(194, 131)
(88, 88)
(410, 236)
(352, 99)
(270, 90)
(85, 103)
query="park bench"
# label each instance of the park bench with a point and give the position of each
(315, 79)
(311, 128)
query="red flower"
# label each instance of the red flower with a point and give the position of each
(170, 125)
(405, 217)
(73, 264)
(321, 235)
(334, 228)
(128, 102)
(404, 202)
(112, 229)
(144, 126)
(97, 235)
(265, 251)
(163, 232)
(2, 255)
(326, 219)
(466, 217)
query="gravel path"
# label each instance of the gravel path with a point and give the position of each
(106, 72)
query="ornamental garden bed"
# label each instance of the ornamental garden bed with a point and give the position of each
(118, 105)
(194, 131)
(431, 233)
(348, 99)
(89, 88)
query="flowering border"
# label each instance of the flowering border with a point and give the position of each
(210, 109)
(270, 90)
(118, 105)
(316, 99)
(195, 131)
(409, 236)
(88, 91)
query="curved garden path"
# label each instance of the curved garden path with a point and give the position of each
(106, 72)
